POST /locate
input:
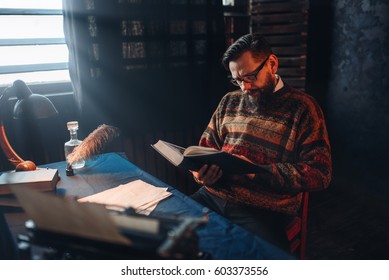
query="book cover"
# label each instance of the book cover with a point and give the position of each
(44, 179)
(194, 157)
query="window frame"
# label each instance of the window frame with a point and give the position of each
(39, 87)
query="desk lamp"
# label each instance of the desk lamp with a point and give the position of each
(29, 105)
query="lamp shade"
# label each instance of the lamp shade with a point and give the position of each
(29, 105)
(34, 107)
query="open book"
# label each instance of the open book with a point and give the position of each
(194, 157)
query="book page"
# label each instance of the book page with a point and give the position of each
(171, 152)
(137, 194)
(199, 150)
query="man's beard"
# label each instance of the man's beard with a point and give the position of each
(267, 89)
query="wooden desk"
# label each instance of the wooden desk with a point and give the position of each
(219, 237)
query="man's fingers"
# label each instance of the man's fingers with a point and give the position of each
(213, 174)
(202, 170)
(208, 176)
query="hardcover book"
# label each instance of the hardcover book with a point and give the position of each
(44, 179)
(194, 157)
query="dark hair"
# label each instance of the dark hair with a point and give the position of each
(255, 43)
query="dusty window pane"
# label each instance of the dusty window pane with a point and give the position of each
(31, 26)
(31, 4)
(35, 77)
(33, 54)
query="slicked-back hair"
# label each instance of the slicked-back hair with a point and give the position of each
(255, 43)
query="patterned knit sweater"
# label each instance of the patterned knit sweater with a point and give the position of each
(285, 134)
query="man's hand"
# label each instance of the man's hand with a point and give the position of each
(207, 176)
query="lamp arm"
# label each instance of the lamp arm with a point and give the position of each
(12, 156)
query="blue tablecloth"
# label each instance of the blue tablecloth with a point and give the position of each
(219, 237)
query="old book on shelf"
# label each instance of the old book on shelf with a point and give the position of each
(44, 179)
(194, 157)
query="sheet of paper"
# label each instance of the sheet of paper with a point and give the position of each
(137, 194)
(67, 216)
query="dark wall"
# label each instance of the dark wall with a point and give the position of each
(348, 66)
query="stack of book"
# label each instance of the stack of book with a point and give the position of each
(43, 179)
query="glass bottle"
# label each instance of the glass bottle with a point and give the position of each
(73, 143)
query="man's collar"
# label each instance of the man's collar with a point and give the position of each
(280, 83)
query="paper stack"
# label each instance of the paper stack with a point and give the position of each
(139, 195)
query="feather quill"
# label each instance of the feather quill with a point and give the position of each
(94, 143)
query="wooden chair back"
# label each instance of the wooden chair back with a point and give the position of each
(296, 230)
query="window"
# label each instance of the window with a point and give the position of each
(32, 44)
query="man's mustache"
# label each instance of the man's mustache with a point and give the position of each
(253, 91)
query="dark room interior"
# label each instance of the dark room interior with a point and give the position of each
(126, 71)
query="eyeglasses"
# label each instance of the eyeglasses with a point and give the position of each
(249, 78)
